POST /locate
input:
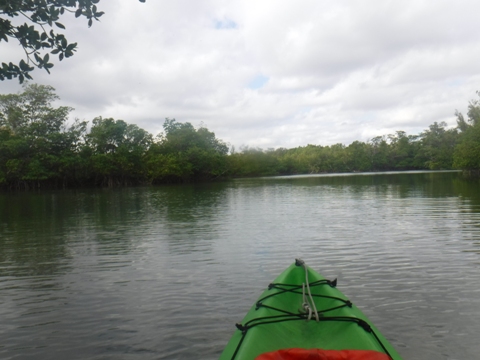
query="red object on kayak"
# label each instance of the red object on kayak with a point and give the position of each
(320, 354)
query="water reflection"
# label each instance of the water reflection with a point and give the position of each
(32, 233)
(404, 182)
(165, 272)
(468, 191)
(186, 216)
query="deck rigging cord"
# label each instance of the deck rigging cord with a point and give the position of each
(308, 306)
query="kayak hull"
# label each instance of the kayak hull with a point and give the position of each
(279, 320)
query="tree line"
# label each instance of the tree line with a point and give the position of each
(40, 149)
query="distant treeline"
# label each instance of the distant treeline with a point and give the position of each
(38, 149)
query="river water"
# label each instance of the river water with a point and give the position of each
(166, 272)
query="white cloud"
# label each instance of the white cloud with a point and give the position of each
(272, 73)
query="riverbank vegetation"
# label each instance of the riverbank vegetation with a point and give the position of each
(39, 148)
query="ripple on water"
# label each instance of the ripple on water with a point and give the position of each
(162, 273)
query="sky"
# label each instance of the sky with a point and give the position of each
(271, 73)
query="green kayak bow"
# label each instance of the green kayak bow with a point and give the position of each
(302, 315)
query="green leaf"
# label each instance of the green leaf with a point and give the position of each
(78, 13)
(55, 51)
(61, 26)
(23, 65)
(90, 23)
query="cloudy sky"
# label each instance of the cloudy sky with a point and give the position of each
(272, 73)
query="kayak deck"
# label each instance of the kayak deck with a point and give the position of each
(285, 316)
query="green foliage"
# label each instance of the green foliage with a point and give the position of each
(438, 145)
(118, 150)
(39, 148)
(474, 111)
(184, 153)
(167, 168)
(34, 35)
(359, 156)
(110, 136)
(253, 162)
(467, 152)
(432, 149)
(402, 150)
(379, 150)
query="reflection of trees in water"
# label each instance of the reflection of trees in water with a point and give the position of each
(422, 191)
(189, 214)
(401, 184)
(41, 233)
(468, 190)
(34, 234)
(113, 219)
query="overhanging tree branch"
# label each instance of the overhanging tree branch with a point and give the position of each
(34, 37)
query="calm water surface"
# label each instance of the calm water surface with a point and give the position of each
(165, 272)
